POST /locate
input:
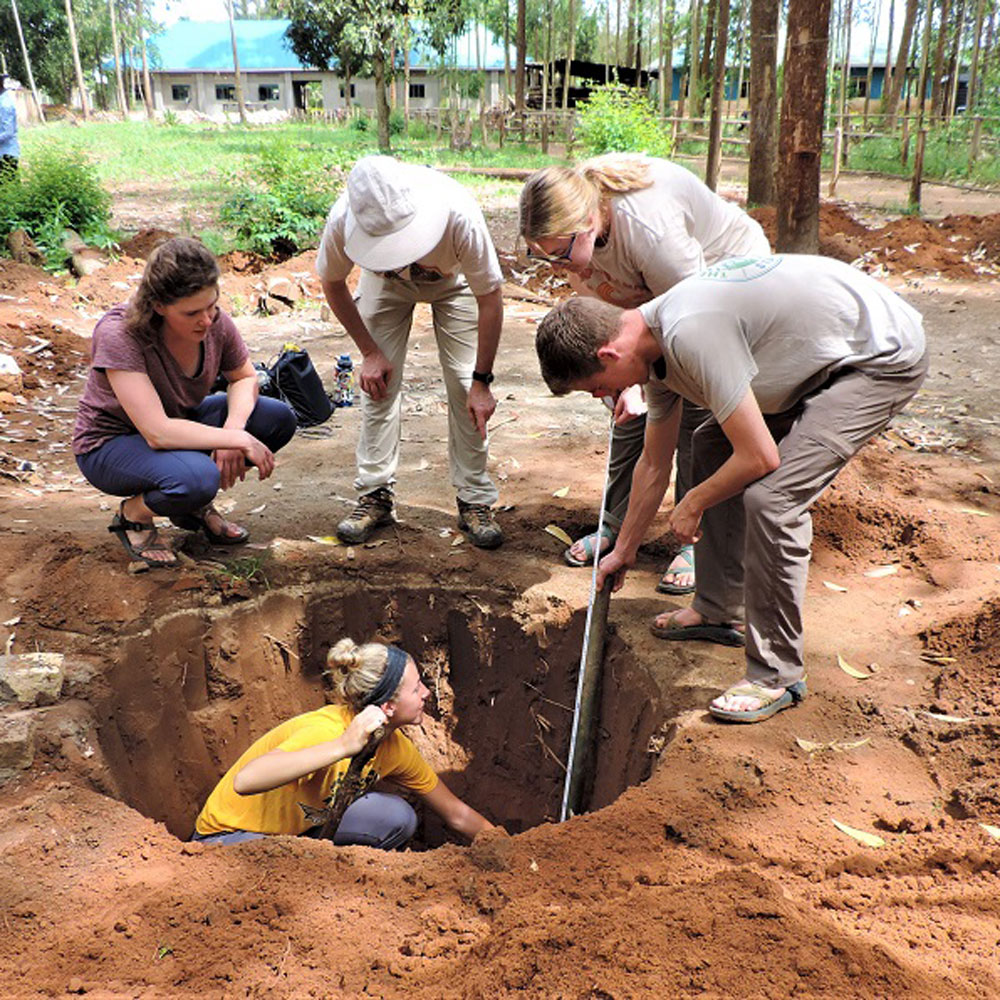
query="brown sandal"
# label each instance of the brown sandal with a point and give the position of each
(120, 525)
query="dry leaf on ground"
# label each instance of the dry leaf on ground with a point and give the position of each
(556, 532)
(851, 671)
(861, 836)
(883, 570)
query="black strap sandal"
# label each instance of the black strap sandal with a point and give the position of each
(120, 525)
(196, 521)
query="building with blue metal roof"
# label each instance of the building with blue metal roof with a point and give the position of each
(191, 66)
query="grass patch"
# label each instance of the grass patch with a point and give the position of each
(205, 165)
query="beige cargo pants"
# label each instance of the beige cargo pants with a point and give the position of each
(386, 305)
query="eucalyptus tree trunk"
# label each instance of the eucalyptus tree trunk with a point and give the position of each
(77, 68)
(705, 66)
(618, 35)
(694, 84)
(240, 102)
(763, 101)
(630, 36)
(718, 97)
(406, 70)
(27, 61)
(954, 63)
(664, 77)
(845, 68)
(569, 53)
(902, 64)
(521, 43)
(119, 83)
(887, 75)
(637, 51)
(740, 57)
(548, 61)
(381, 102)
(506, 52)
(607, 42)
(937, 79)
(801, 135)
(972, 98)
(925, 49)
(147, 87)
(876, 18)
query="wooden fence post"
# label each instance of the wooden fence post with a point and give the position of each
(918, 170)
(904, 142)
(838, 140)
(977, 138)
(545, 133)
(503, 128)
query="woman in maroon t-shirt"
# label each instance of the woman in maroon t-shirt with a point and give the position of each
(148, 427)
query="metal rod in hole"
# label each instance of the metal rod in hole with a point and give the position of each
(580, 758)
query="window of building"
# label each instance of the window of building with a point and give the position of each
(417, 90)
(352, 91)
(180, 92)
(268, 92)
(225, 91)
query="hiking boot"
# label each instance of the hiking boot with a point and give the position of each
(478, 522)
(371, 511)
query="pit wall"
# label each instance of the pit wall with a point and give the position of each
(185, 699)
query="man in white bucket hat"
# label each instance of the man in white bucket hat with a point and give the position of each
(418, 236)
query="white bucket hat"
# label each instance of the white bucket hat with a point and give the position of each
(396, 213)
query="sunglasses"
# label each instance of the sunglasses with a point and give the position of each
(567, 254)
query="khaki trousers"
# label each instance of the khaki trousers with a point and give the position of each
(753, 556)
(386, 306)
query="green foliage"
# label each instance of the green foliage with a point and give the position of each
(281, 204)
(418, 130)
(360, 123)
(57, 190)
(617, 119)
(397, 122)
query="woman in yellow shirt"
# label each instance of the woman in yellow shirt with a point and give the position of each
(300, 761)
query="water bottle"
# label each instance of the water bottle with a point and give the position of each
(344, 394)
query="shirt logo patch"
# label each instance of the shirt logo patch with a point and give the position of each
(741, 268)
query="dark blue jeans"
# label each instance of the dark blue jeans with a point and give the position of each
(179, 482)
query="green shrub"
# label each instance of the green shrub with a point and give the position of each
(617, 119)
(57, 190)
(283, 199)
(397, 122)
(418, 130)
(361, 123)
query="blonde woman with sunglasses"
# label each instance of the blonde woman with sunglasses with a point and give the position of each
(625, 228)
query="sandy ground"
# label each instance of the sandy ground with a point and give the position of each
(711, 866)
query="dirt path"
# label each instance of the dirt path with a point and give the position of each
(721, 874)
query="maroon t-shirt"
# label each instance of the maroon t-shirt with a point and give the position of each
(101, 417)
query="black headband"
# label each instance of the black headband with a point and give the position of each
(395, 664)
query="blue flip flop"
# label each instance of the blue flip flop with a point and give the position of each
(788, 698)
(588, 542)
(686, 554)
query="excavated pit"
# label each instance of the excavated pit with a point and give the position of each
(186, 697)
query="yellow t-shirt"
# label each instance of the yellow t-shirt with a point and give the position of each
(277, 810)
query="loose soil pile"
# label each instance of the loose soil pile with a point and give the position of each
(721, 875)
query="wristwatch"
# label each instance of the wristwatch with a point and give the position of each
(485, 377)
